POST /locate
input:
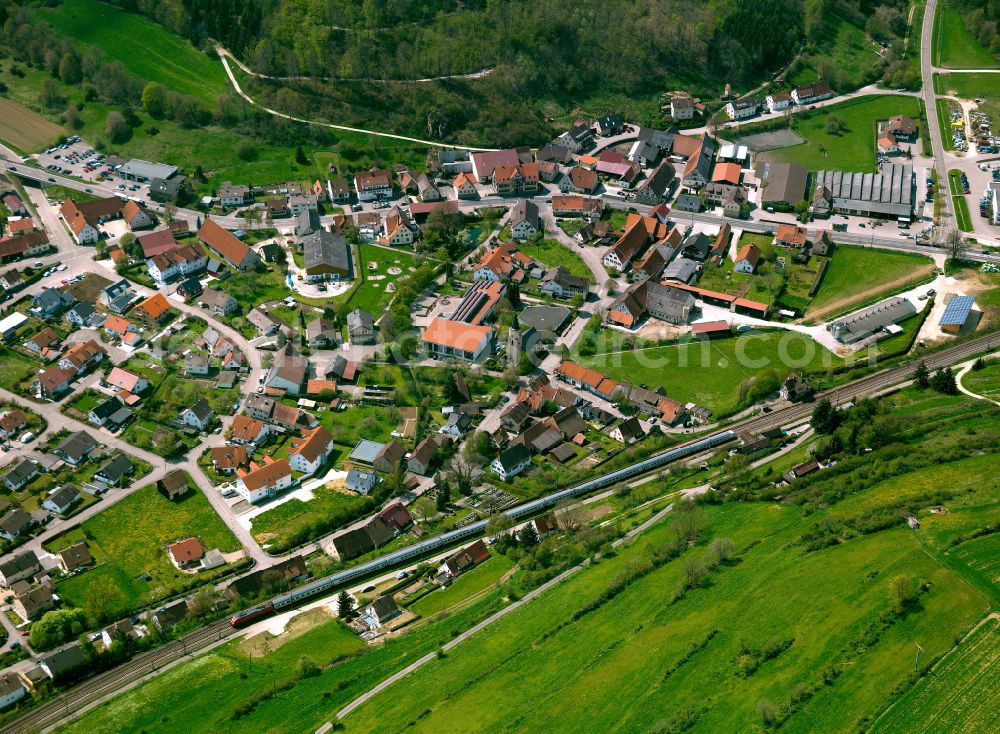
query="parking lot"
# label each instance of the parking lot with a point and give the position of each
(79, 159)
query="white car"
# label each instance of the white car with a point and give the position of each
(62, 267)
(28, 437)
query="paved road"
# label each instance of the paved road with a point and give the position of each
(930, 105)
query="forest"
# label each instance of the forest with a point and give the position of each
(546, 58)
(981, 18)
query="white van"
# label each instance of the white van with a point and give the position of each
(28, 437)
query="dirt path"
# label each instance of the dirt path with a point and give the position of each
(842, 304)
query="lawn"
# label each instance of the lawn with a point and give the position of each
(944, 122)
(858, 274)
(26, 130)
(295, 521)
(15, 368)
(853, 147)
(465, 586)
(968, 86)
(962, 217)
(710, 373)
(146, 49)
(554, 254)
(373, 295)
(128, 540)
(955, 698)
(954, 47)
(985, 381)
(374, 422)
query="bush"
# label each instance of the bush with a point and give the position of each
(247, 152)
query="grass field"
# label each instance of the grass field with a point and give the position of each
(555, 254)
(956, 698)
(968, 86)
(15, 368)
(26, 130)
(954, 46)
(858, 274)
(128, 540)
(985, 382)
(145, 48)
(853, 148)
(294, 518)
(944, 122)
(373, 295)
(710, 373)
(467, 585)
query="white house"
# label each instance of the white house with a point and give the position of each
(198, 415)
(747, 258)
(778, 101)
(741, 109)
(12, 690)
(265, 481)
(311, 451)
(523, 219)
(511, 462)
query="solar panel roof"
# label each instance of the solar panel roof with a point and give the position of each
(957, 310)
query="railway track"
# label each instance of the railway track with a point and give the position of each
(71, 702)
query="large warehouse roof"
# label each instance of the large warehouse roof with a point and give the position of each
(889, 193)
(147, 170)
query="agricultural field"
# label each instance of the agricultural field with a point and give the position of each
(957, 698)
(985, 382)
(954, 47)
(25, 130)
(145, 48)
(128, 539)
(710, 373)
(858, 274)
(852, 147)
(554, 254)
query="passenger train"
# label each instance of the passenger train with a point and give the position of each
(445, 540)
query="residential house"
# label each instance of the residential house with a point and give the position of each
(11, 422)
(611, 124)
(76, 448)
(465, 560)
(167, 616)
(117, 297)
(198, 416)
(656, 189)
(338, 190)
(264, 481)
(52, 382)
(788, 235)
(19, 567)
(698, 171)
(741, 109)
(50, 302)
(227, 459)
(218, 301)
(681, 107)
(299, 203)
(571, 205)
(176, 262)
(778, 101)
(457, 424)
(580, 181)
(322, 334)
(421, 459)
(554, 153)
(796, 387)
(747, 258)
(375, 183)
(311, 451)
(46, 344)
(23, 472)
(465, 186)
(578, 139)
(360, 327)
(83, 356)
(361, 482)
(130, 382)
(380, 612)
(74, 557)
(136, 217)
(523, 221)
(115, 471)
(153, 310)
(590, 380)
(227, 246)
(61, 500)
(58, 663)
(811, 93)
(560, 283)
(264, 322)
(196, 363)
(902, 128)
(231, 196)
(288, 373)
(34, 602)
(628, 245)
(85, 218)
(389, 456)
(627, 432)
(83, 316)
(189, 287)
(186, 553)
